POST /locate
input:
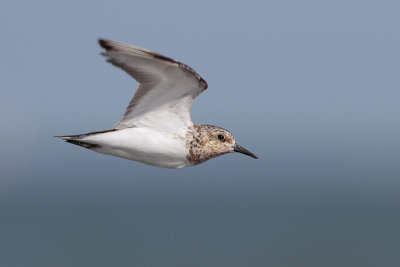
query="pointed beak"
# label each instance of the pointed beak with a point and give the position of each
(243, 150)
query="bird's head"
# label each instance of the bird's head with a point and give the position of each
(211, 141)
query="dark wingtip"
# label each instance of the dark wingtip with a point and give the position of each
(105, 44)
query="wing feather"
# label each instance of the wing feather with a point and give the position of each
(166, 89)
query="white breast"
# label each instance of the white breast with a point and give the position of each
(147, 145)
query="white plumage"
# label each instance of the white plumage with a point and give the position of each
(156, 128)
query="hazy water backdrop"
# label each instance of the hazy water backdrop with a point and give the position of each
(312, 88)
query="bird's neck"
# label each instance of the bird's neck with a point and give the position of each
(198, 138)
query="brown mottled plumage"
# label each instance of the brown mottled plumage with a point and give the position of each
(206, 142)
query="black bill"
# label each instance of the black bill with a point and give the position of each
(242, 150)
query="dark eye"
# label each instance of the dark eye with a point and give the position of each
(221, 137)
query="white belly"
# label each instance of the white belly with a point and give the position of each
(146, 145)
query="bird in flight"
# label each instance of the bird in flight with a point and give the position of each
(156, 128)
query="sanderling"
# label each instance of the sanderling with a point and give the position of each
(156, 128)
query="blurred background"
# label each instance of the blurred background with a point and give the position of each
(311, 87)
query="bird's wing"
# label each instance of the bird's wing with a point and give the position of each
(166, 89)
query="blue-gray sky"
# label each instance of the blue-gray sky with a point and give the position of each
(311, 87)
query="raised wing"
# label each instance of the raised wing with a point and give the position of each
(166, 89)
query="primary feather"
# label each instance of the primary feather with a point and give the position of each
(166, 89)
